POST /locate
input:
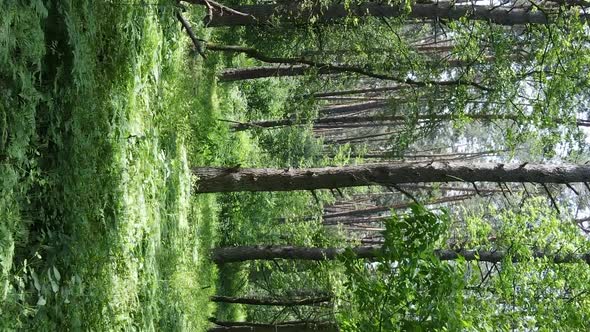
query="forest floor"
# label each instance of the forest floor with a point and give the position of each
(104, 109)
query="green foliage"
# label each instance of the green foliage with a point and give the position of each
(99, 231)
(22, 48)
(407, 287)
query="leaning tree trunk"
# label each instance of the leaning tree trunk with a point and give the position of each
(219, 179)
(268, 14)
(242, 254)
(284, 327)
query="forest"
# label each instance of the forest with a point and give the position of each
(294, 166)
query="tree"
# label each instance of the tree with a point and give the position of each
(286, 302)
(375, 120)
(212, 179)
(241, 74)
(382, 209)
(325, 67)
(246, 253)
(261, 14)
(283, 327)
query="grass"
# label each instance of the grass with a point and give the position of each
(104, 108)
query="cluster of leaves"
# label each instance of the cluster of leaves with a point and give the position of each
(22, 49)
(534, 75)
(407, 287)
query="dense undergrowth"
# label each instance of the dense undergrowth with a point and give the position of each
(103, 110)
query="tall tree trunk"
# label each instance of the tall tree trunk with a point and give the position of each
(381, 209)
(449, 188)
(339, 68)
(286, 302)
(356, 107)
(359, 138)
(284, 327)
(263, 14)
(358, 91)
(374, 120)
(335, 121)
(242, 74)
(250, 73)
(219, 179)
(437, 156)
(242, 254)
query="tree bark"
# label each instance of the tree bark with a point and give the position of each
(246, 253)
(381, 209)
(286, 302)
(380, 119)
(267, 14)
(219, 179)
(437, 156)
(336, 120)
(242, 254)
(284, 327)
(251, 73)
(339, 68)
(356, 107)
(447, 188)
(242, 74)
(359, 138)
(358, 91)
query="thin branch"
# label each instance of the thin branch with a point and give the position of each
(401, 190)
(211, 5)
(477, 190)
(572, 189)
(551, 198)
(196, 41)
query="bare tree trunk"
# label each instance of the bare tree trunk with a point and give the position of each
(448, 188)
(381, 209)
(242, 254)
(219, 179)
(437, 156)
(358, 91)
(286, 302)
(339, 68)
(332, 121)
(374, 120)
(250, 73)
(241, 74)
(356, 107)
(359, 138)
(283, 327)
(267, 14)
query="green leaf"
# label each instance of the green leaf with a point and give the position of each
(56, 274)
(35, 280)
